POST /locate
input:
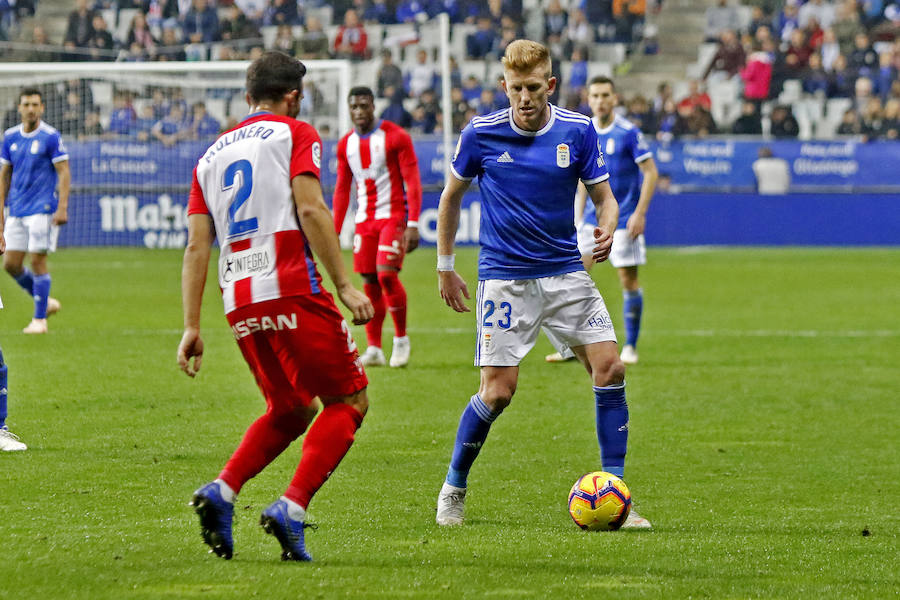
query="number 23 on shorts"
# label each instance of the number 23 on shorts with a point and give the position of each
(501, 319)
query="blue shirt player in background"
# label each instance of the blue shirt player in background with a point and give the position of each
(633, 178)
(33, 164)
(528, 160)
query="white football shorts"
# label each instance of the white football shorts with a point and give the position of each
(511, 313)
(626, 252)
(34, 233)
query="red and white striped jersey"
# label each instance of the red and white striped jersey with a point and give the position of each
(380, 162)
(243, 182)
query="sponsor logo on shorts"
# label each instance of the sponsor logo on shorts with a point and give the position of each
(488, 343)
(265, 323)
(600, 321)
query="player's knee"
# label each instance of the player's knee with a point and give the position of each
(390, 281)
(610, 372)
(498, 395)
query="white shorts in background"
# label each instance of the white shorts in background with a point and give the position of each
(626, 252)
(510, 315)
(34, 233)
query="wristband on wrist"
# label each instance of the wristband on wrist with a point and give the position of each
(412, 224)
(445, 262)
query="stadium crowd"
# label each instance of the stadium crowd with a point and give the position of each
(772, 52)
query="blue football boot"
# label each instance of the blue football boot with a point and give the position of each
(275, 521)
(215, 519)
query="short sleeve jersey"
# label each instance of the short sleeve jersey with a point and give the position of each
(624, 148)
(33, 156)
(527, 180)
(243, 182)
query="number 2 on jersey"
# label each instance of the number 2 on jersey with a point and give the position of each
(504, 321)
(245, 169)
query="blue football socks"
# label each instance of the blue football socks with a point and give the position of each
(41, 294)
(612, 427)
(473, 429)
(26, 281)
(2, 391)
(632, 307)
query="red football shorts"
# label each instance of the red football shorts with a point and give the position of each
(378, 243)
(298, 348)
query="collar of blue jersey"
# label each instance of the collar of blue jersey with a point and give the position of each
(30, 134)
(604, 130)
(541, 131)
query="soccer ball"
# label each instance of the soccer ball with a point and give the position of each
(599, 501)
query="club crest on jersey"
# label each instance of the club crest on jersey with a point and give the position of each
(563, 157)
(317, 154)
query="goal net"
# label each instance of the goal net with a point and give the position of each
(134, 132)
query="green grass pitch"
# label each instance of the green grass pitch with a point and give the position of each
(764, 444)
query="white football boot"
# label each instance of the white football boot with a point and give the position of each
(36, 326)
(53, 306)
(9, 442)
(451, 503)
(636, 521)
(373, 357)
(556, 357)
(400, 352)
(629, 355)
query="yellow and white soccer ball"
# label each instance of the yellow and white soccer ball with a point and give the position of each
(599, 501)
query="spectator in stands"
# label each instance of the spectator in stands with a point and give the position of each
(485, 102)
(201, 23)
(720, 18)
(629, 16)
(139, 33)
(820, 10)
(847, 25)
(639, 113)
(814, 34)
(471, 89)
(840, 80)
(252, 10)
(389, 74)
(507, 36)
(168, 129)
(92, 127)
(313, 99)
(170, 47)
(459, 107)
(80, 26)
(578, 74)
(749, 123)
(863, 59)
(872, 118)
(787, 20)
(145, 122)
(580, 32)
(697, 97)
(663, 93)
(237, 26)
(101, 43)
(886, 74)
(759, 18)
(421, 75)
(71, 121)
(481, 42)
(378, 12)
(783, 124)
(351, 41)
(411, 11)
(757, 75)
(284, 39)
(314, 43)
(815, 79)
(202, 125)
(829, 49)
(889, 29)
(281, 12)
(851, 123)
(419, 122)
(37, 54)
(122, 118)
(395, 112)
(796, 57)
(773, 175)
(555, 20)
(728, 60)
(862, 93)
(500, 98)
(890, 124)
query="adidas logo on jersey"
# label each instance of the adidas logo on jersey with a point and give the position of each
(505, 158)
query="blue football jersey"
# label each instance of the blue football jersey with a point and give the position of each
(623, 149)
(527, 180)
(32, 190)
